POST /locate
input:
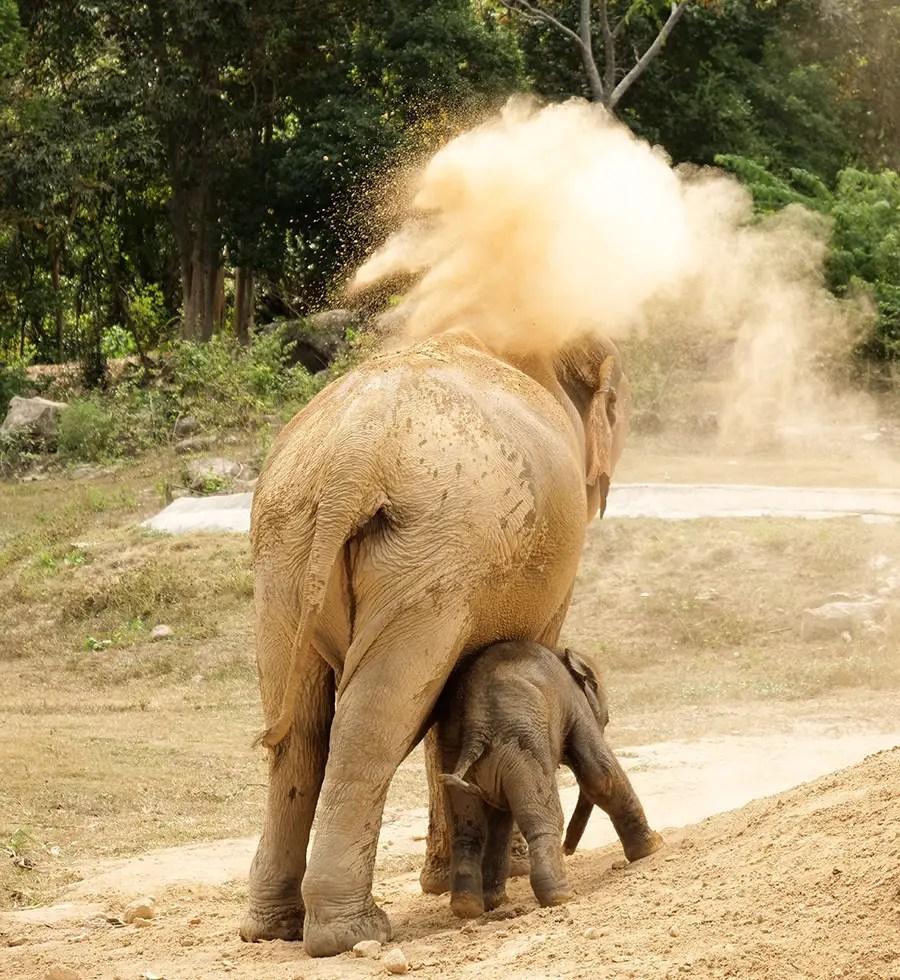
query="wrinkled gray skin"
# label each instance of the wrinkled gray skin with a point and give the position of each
(505, 721)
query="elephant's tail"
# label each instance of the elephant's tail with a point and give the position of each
(337, 519)
(457, 782)
(577, 823)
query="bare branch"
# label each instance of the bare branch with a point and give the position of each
(609, 48)
(678, 9)
(587, 53)
(535, 13)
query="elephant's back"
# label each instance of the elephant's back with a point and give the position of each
(481, 474)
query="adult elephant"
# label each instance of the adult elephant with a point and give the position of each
(429, 503)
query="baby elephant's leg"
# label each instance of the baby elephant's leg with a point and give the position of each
(468, 822)
(530, 789)
(496, 863)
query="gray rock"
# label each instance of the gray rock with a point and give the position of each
(193, 445)
(833, 619)
(318, 339)
(212, 470)
(161, 632)
(36, 418)
(646, 421)
(185, 425)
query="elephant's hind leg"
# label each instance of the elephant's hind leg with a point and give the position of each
(380, 714)
(296, 770)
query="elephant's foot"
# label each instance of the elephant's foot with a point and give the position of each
(329, 937)
(556, 896)
(644, 846)
(467, 905)
(435, 876)
(494, 899)
(261, 924)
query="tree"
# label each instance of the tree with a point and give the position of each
(613, 19)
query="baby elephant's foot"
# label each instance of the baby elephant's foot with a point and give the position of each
(494, 899)
(555, 896)
(643, 846)
(467, 905)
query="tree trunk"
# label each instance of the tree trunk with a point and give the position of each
(244, 288)
(57, 300)
(202, 271)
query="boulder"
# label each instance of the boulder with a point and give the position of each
(830, 620)
(185, 425)
(646, 421)
(320, 338)
(194, 444)
(201, 473)
(36, 418)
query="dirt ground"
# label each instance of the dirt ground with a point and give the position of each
(112, 745)
(805, 884)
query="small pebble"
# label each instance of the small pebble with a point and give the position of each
(161, 632)
(143, 909)
(673, 931)
(395, 962)
(592, 933)
(16, 941)
(369, 948)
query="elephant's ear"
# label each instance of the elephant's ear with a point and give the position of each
(601, 420)
(587, 680)
(581, 671)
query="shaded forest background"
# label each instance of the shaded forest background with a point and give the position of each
(199, 168)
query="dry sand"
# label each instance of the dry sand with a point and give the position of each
(804, 884)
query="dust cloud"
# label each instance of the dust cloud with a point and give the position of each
(548, 223)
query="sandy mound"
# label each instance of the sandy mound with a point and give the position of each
(805, 884)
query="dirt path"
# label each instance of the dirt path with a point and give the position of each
(806, 884)
(670, 501)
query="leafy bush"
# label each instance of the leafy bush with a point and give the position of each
(88, 430)
(865, 243)
(13, 381)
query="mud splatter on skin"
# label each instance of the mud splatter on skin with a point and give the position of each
(545, 224)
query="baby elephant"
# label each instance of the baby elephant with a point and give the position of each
(505, 721)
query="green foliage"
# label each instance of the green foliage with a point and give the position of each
(88, 430)
(864, 208)
(13, 381)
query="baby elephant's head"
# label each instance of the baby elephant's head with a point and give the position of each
(586, 678)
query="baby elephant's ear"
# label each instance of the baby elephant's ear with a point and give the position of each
(581, 671)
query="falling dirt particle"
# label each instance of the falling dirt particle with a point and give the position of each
(395, 962)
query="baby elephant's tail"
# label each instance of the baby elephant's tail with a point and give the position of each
(451, 779)
(577, 823)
